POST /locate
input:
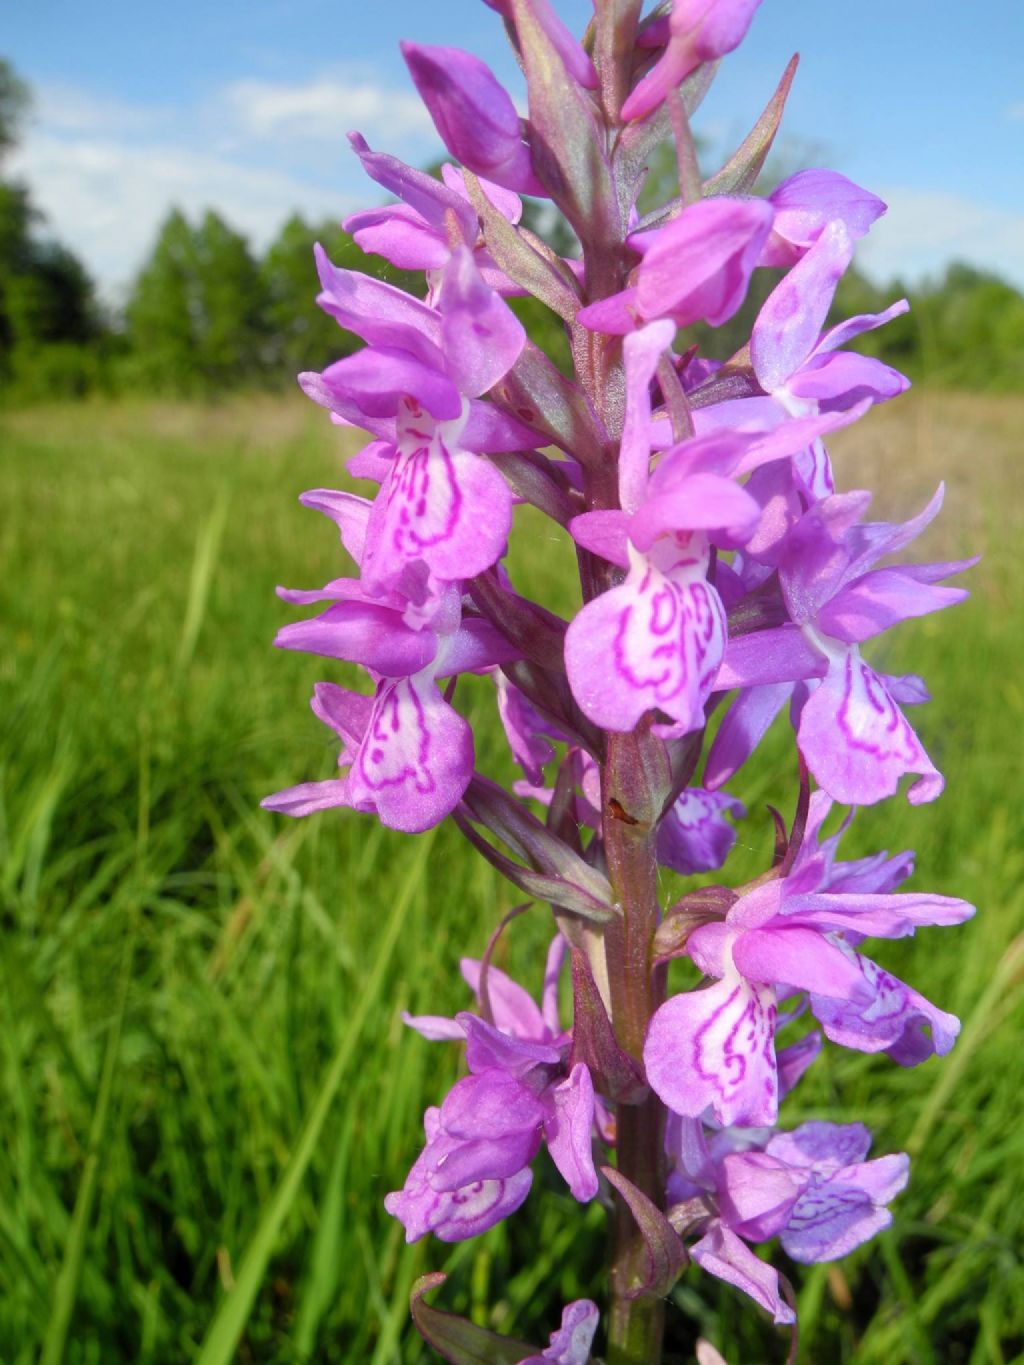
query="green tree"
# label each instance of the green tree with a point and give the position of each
(196, 317)
(164, 310)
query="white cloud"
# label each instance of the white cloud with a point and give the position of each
(926, 229)
(106, 174)
(106, 199)
(1015, 112)
(323, 108)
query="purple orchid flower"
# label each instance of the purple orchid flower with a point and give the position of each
(410, 754)
(416, 233)
(806, 203)
(716, 1047)
(696, 31)
(442, 514)
(696, 267)
(474, 114)
(802, 369)
(812, 1188)
(521, 1090)
(851, 730)
(571, 1344)
(694, 835)
(656, 641)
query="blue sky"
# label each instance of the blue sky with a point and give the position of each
(243, 107)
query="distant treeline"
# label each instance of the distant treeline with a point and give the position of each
(206, 315)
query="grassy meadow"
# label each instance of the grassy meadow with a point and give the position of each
(206, 1087)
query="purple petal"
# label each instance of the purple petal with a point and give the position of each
(364, 634)
(441, 507)
(854, 327)
(617, 315)
(794, 1060)
(896, 1020)
(380, 313)
(422, 192)
(654, 642)
(877, 916)
(604, 533)
(716, 1047)
(779, 654)
(857, 742)
(473, 113)
(822, 1147)
(789, 323)
(881, 599)
(400, 235)
(482, 336)
(552, 975)
(640, 353)
(490, 1105)
(436, 1028)
(756, 1193)
(805, 203)
(514, 1009)
(416, 758)
(308, 798)
(452, 1215)
(831, 1219)
(694, 836)
(568, 1130)
(841, 380)
(698, 32)
(721, 1253)
(699, 265)
(376, 379)
(798, 957)
(491, 1049)
(571, 1344)
(701, 502)
(348, 512)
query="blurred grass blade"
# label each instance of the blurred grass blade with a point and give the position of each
(1007, 973)
(66, 1290)
(225, 1331)
(325, 1258)
(204, 562)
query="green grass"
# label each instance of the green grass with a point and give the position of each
(207, 1089)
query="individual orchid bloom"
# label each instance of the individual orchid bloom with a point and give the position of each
(474, 115)
(443, 514)
(805, 204)
(716, 1047)
(697, 266)
(800, 367)
(522, 1089)
(656, 641)
(694, 835)
(420, 238)
(571, 1344)
(696, 31)
(851, 730)
(410, 755)
(812, 1188)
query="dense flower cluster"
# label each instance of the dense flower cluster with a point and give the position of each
(720, 568)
